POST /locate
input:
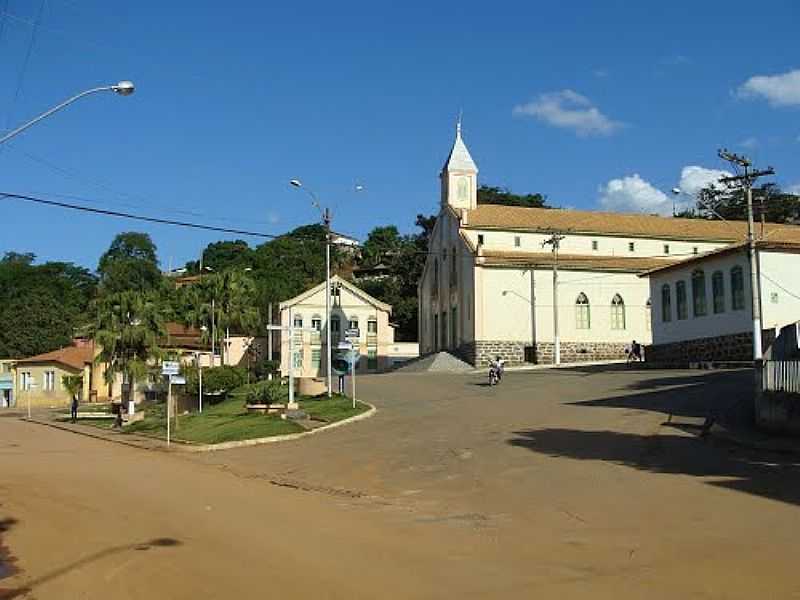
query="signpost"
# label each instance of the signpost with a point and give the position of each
(169, 368)
(353, 359)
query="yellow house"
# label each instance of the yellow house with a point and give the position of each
(39, 378)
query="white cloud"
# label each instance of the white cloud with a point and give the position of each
(778, 90)
(694, 178)
(634, 194)
(793, 189)
(600, 73)
(569, 110)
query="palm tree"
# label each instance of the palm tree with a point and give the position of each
(128, 329)
(221, 302)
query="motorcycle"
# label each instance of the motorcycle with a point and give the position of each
(494, 376)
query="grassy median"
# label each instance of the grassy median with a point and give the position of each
(230, 420)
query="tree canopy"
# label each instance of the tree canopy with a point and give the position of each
(404, 255)
(776, 205)
(504, 196)
(41, 306)
(220, 256)
(130, 263)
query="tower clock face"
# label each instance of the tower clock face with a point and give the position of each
(462, 188)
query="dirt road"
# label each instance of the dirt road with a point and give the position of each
(560, 485)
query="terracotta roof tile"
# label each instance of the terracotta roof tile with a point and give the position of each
(74, 357)
(488, 216)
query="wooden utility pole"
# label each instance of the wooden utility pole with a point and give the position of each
(745, 180)
(555, 241)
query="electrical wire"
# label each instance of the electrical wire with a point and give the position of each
(124, 215)
(26, 60)
(768, 278)
(135, 201)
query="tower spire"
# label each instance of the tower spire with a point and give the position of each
(458, 122)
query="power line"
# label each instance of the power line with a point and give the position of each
(134, 201)
(26, 60)
(124, 215)
(792, 294)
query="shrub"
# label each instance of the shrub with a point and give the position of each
(262, 368)
(266, 392)
(216, 380)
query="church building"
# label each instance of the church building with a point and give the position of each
(488, 284)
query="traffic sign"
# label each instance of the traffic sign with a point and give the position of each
(177, 379)
(353, 334)
(170, 368)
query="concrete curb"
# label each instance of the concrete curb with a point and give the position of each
(282, 438)
(151, 443)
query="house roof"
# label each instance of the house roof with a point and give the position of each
(570, 262)
(73, 357)
(488, 216)
(347, 285)
(181, 336)
(787, 247)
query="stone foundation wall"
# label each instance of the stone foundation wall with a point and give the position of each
(479, 353)
(733, 347)
(576, 352)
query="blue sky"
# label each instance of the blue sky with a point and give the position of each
(598, 105)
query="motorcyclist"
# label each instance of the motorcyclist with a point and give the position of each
(497, 365)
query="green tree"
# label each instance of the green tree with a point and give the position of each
(129, 326)
(405, 256)
(776, 205)
(220, 256)
(73, 384)
(381, 242)
(497, 195)
(130, 263)
(41, 306)
(290, 264)
(221, 302)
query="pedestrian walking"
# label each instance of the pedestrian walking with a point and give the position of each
(74, 408)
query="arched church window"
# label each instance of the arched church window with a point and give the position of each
(582, 315)
(617, 312)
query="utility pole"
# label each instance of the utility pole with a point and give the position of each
(269, 331)
(555, 241)
(326, 220)
(746, 180)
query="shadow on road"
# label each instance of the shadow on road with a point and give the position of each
(670, 454)
(724, 396)
(102, 554)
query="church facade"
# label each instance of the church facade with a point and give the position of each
(488, 284)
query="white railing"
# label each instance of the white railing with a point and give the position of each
(781, 376)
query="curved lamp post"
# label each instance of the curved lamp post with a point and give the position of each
(123, 88)
(326, 221)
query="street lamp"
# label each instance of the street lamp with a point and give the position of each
(123, 88)
(326, 221)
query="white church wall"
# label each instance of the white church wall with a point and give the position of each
(584, 244)
(711, 325)
(780, 288)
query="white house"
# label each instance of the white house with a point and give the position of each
(351, 308)
(487, 286)
(702, 307)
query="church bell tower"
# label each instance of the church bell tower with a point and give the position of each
(459, 176)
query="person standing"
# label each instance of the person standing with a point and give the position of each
(74, 408)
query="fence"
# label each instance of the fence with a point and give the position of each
(781, 376)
